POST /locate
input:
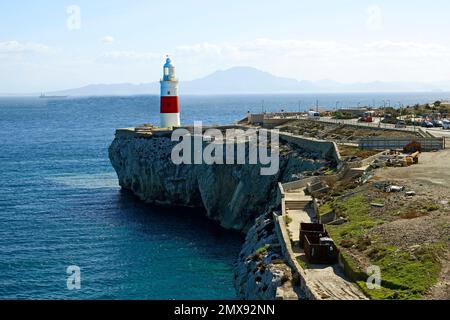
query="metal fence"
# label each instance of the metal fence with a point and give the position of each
(427, 144)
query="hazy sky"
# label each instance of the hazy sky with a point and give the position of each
(51, 44)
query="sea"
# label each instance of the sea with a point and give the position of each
(64, 219)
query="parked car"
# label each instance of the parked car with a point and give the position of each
(427, 124)
(400, 124)
(314, 115)
(446, 124)
(437, 123)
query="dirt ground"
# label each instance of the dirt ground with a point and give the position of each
(337, 132)
(423, 218)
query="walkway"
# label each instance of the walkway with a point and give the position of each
(328, 280)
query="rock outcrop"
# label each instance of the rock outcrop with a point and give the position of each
(260, 272)
(233, 195)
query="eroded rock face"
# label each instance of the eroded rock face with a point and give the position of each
(260, 269)
(233, 195)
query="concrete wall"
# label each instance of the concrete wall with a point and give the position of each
(428, 144)
(288, 253)
(272, 123)
(299, 184)
(327, 149)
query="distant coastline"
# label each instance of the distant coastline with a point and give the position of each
(247, 80)
(271, 102)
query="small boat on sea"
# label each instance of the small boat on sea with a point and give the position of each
(44, 96)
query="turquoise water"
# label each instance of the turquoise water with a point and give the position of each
(60, 204)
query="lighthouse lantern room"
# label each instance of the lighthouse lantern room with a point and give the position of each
(170, 104)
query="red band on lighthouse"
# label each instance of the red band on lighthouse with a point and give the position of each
(170, 105)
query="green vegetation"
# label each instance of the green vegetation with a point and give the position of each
(430, 207)
(356, 209)
(287, 220)
(263, 250)
(330, 172)
(406, 274)
(326, 208)
(302, 263)
(342, 115)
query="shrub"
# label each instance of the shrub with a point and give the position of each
(412, 147)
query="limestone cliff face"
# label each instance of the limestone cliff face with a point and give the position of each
(233, 195)
(260, 273)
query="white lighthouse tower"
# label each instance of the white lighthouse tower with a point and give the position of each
(170, 104)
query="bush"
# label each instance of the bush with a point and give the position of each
(412, 147)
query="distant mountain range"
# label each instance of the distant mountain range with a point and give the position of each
(240, 80)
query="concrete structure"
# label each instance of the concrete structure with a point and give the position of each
(170, 105)
(327, 149)
(375, 143)
(354, 112)
(271, 120)
(318, 282)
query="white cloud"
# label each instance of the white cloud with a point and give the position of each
(108, 40)
(16, 47)
(279, 49)
(314, 60)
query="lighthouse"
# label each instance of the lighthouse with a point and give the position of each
(170, 104)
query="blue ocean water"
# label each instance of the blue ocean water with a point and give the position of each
(60, 204)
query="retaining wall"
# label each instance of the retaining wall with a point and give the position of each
(327, 149)
(428, 144)
(288, 253)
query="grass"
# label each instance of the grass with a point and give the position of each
(430, 207)
(405, 275)
(356, 209)
(263, 250)
(302, 263)
(287, 220)
(326, 208)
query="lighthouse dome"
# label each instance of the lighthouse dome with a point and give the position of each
(168, 63)
(169, 70)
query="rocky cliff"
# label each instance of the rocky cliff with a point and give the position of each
(233, 195)
(260, 272)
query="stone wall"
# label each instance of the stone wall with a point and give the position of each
(327, 149)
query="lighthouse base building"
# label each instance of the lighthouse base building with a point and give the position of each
(170, 102)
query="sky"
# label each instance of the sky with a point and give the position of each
(50, 45)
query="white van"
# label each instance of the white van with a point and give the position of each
(314, 115)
